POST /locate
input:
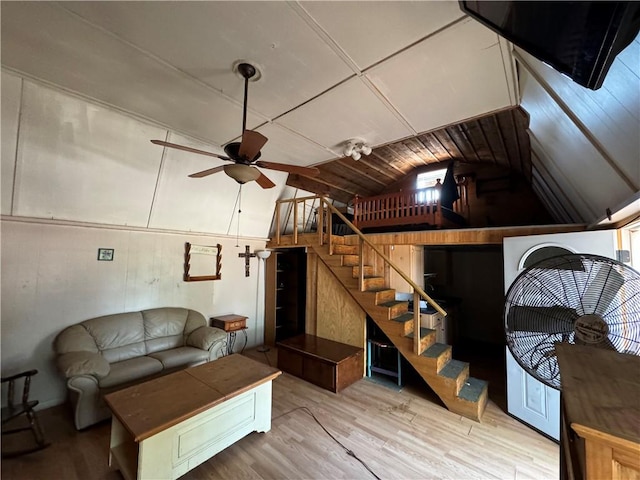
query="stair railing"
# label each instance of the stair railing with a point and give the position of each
(325, 226)
(306, 221)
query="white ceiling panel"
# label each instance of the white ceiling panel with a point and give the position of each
(371, 31)
(285, 146)
(455, 75)
(11, 92)
(207, 204)
(65, 51)
(79, 161)
(338, 115)
(296, 64)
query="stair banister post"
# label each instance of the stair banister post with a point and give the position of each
(356, 210)
(320, 227)
(416, 322)
(329, 226)
(278, 205)
(438, 211)
(295, 221)
(361, 265)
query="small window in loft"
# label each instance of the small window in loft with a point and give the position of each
(426, 181)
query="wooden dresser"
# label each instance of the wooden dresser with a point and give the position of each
(601, 413)
(328, 364)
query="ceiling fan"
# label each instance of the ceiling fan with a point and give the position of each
(244, 154)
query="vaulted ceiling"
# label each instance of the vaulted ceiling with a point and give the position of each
(329, 71)
(498, 139)
(90, 83)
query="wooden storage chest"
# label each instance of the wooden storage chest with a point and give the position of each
(328, 364)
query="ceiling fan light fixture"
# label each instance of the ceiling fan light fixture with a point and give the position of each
(348, 149)
(242, 173)
(355, 148)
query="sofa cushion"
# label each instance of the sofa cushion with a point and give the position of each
(118, 337)
(83, 363)
(164, 328)
(130, 370)
(75, 338)
(182, 356)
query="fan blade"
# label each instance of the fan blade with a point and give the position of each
(189, 149)
(283, 167)
(264, 181)
(524, 318)
(251, 144)
(209, 171)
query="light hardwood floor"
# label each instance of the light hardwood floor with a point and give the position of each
(399, 435)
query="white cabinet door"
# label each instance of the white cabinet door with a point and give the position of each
(528, 399)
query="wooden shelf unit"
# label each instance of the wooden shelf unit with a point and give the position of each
(285, 291)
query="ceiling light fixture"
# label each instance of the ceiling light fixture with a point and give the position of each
(242, 173)
(356, 148)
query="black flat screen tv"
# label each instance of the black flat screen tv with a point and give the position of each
(579, 39)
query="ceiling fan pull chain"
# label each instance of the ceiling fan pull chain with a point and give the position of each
(239, 212)
(233, 213)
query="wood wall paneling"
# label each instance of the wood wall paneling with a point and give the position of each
(340, 318)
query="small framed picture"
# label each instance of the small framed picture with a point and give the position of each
(105, 254)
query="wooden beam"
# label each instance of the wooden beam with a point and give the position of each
(467, 236)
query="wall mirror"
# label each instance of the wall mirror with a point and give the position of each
(202, 262)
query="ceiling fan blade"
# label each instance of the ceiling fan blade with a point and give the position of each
(283, 167)
(189, 149)
(264, 181)
(251, 144)
(209, 171)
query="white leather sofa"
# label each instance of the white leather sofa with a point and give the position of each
(104, 354)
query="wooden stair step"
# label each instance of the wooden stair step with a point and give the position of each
(435, 350)
(396, 307)
(350, 260)
(473, 389)
(406, 320)
(423, 332)
(368, 271)
(384, 295)
(372, 283)
(453, 369)
(439, 353)
(345, 249)
(405, 317)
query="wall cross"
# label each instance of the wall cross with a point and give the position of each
(247, 255)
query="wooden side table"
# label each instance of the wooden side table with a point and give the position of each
(231, 324)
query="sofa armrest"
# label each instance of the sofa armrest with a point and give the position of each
(83, 363)
(206, 337)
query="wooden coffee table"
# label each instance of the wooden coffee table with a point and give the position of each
(167, 426)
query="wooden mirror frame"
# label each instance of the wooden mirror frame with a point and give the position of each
(187, 262)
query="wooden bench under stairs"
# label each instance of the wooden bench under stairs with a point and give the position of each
(447, 377)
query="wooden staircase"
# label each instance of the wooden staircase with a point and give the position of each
(448, 378)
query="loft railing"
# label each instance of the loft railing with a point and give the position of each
(325, 212)
(408, 207)
(399, 208)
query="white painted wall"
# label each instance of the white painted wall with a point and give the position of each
(51, 279)
(77, 176)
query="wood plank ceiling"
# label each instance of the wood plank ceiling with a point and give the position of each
(499, 139)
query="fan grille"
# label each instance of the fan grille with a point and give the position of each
(579, 299)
